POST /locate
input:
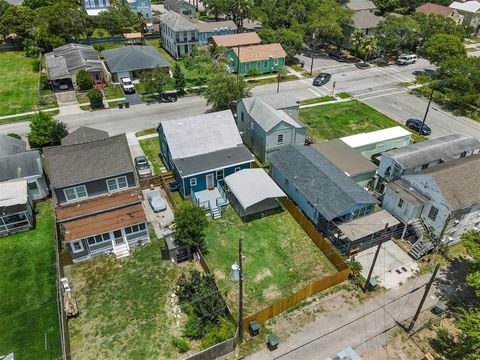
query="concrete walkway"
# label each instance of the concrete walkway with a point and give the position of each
(136, 149)
(327, 102)
(149, 136)
(294, 72)
(27, 113)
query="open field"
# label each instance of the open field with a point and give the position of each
(19, 83)
(28, 294)
(151, 149)
(332, 121)
(125, 306)
(280, 258)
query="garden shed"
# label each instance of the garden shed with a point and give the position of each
(253, 193)
(16, 207)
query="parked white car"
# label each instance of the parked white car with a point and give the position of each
(407, 59)
(156, 201)
(127, 85)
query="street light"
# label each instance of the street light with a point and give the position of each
(312, 50)
(278, 77)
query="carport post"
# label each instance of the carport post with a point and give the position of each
(375, 258)
(240, 292)
(404, 231)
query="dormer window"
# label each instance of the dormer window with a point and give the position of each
(75, 193)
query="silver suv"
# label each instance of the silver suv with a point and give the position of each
(407, 59)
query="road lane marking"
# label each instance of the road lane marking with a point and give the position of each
(377, 91)
(382, 95)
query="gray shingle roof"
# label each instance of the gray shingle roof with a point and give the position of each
(358, 5)
(365, 20)
(276, 101)
(177, 22)
(84, 134)
(442, 148)
(216, 26)
(20, 165)
(213, 160)
(331, 191)
(62, 61)
(134, 57)
(10, 145)
(175, 5)
(79, 163)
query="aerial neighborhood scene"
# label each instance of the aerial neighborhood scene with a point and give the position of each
(239, 179)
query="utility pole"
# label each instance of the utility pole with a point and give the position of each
(313, 48)
(426, 112)
(240, 292)
(375, 258)
(424, 297)
(278, 81)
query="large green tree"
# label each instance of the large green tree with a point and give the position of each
(190, 225)
(224, 91)
(179, 79)
(441, 47)
(46, 131)
(18, 20)
(397, 34)
(217, 7)
(291, 41)
(155, 81)
(431, 25)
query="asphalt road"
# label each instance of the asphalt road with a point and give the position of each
(378, 87)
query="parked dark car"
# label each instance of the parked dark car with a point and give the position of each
(337, 56)
(363, 65)
(415, 125)
(169, 96)
(322, 79)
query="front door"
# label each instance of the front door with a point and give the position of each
(210, 182)
(118, 236)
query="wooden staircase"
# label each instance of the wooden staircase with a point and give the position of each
(423, 245)
(121, 250)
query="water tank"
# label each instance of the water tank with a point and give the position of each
(235, 272)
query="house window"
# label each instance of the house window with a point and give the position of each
(280, 138)
(424, 166)
(237, 169)
(75, 193)
(219, 174)
(242, 116)
(258, 65)
(265, 64)
(432, 214)
(77, 246)
(32, 186)
(97, 239)
(134, 229)
(463, 154)
(193, 182)
(117, 183)
(400, 203)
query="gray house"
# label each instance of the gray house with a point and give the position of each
(16, 163)
(178, 34)
(182, 7)
(268, 123)
(16, 207)
(416, 157)
(131, 61)
(444, 198)
(98, 204)
(323, 192)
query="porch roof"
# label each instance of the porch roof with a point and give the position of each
(368, 225)
(104, 222)
(13, 195)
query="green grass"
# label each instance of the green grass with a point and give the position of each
(125, 306)
(151, 149)
(270, 80)
(317, 100)
(280, 258)
(18, 92)
(145, 132)
(26, 117)
(344, 95)
(333, 121)
(113, 92)
(28, 300)
(82, 97)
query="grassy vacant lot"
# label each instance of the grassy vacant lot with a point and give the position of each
(125, 306)
(151, 149)
(28, 300)
(280, 258)
(18, 91)
(333, 121)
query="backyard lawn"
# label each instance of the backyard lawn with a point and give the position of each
(28, 295)
(280, 258)
(333, 121)
(151, 149)
(125, 306)
(19, 83)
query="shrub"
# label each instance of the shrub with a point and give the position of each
(96, 98)
(84, 80)
(16, 136)
(31, 49)
(181, 344)
(46, 131)
(99, 47)
(44, 84)
(219, 333)
(35, 64)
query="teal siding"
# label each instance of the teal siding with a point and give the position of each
(263, 66)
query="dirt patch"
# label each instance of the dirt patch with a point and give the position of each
(272, 292)
(263, 274)
(219, 275)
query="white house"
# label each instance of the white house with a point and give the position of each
(470, 10)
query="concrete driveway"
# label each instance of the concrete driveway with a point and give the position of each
(160, 221)
(133, 99)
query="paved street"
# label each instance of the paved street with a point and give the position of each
(364, 327)
(378, 87)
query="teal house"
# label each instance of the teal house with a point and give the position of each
(265, 58)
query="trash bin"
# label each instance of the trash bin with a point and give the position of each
(120, 105)
(272, 342)
(127, 105)
(439, 308)
(302, 64)
(253, 328)
(372, 284)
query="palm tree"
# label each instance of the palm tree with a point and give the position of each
(369, 45)
(355, 268)
(240, 10)
(356, 39)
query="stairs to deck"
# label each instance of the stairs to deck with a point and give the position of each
(121, 250)
(216, 213)
(423, 245)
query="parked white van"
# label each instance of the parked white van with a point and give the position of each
(406, 59)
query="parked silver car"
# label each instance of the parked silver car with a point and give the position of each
(142, 166)
(156, 201)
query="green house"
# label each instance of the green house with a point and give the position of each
(265, 58)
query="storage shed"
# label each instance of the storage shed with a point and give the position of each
(16, 207)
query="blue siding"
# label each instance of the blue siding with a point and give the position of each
(204, 36)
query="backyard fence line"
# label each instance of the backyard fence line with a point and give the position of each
(11, 46)
(105, 40)
(218, 350)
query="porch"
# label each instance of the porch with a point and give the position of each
(214, 200)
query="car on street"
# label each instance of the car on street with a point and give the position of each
(407, 59)
(363, 65)
(142, 166)
(322, 79)
(156, 201)
(415, 125)
(127, 85)
(337, 56)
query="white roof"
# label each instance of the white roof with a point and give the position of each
(469, 6)
(13, 193)
(202, 134)
(94, 12)
(251, 186)
(373, 137)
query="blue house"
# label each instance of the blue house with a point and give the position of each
(95, 7)
(143, 7)
(201, 151)
(326, 195)
(215, 28)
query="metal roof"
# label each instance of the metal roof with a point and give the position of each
(13, 193)
(176, 5)
(213, 26)
(251, 186)
(20, 165)
(276, 101)
(350, 161)
(442, 148)
(325, 186)
(177, 22)
(467, 6)
(374, 137)
(367, 225)
(134, 57)
(84, 134)
(201, 134)
(10, 145)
